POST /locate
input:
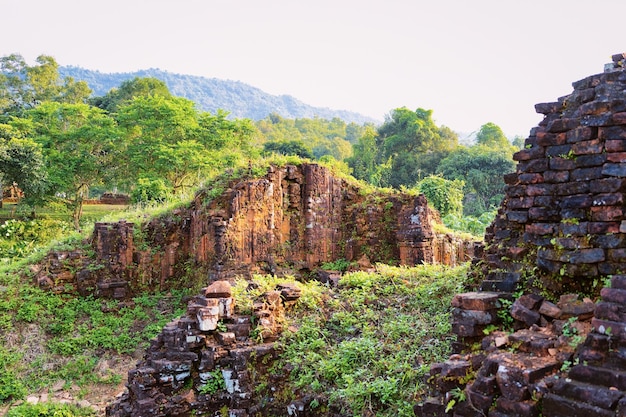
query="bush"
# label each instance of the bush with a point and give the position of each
(150, 190)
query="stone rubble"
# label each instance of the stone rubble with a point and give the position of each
(561, 231)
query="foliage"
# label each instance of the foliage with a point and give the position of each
(20, 237)
(445, 195)
(129, 89)
(470, 224)
(80, 145)
(50, 410)
(289, 147)
(322, 137)
(369, 345)
(482, 168)
(408, 145)
(150, 190)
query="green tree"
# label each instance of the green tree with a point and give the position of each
(21, 163)
(409, 141)
(445, 195)
(137, 87)
(80, 145)
(492, 136)
(482, 168)
(23, 87)
(289, 147)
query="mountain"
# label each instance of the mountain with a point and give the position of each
(210, 94)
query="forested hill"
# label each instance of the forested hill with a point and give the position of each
(210, 94)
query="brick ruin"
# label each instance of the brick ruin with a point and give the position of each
(292, 220)
(546, 333)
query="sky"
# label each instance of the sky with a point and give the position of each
(470, 62)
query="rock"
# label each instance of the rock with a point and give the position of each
(218, 289)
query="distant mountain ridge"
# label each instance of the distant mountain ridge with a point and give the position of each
(210, 94)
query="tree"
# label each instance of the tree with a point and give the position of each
(129, 89)
(80, 145)
(445, 195)
(289, 147)
(23, 87)
(482, 168)
(492, 136)
(409, 141)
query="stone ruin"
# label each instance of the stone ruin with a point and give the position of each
(291, 221)
(546, 333)
(207, 361)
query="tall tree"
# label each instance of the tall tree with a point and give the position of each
(410, 142)
(482, 168)
(129, 89)
(80, 145)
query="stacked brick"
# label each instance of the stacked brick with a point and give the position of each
(206, 362)
(563, 211)
(561, 229)
(596, 385)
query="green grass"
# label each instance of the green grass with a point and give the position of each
(368, 344)
(91, 212)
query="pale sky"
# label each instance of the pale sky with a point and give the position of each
(470, 61)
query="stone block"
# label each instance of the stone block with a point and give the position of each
(589, 161)
(549, 309)
(517, 408)
(481, 301)
(557, 406)
(618, 281)
(555, 176)
(523, 314)
(614, 169)
(586, 174)
(614, 295)
(510, 381)
(594, 395)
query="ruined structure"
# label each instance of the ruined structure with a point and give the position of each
(560, 240)
(293, 219)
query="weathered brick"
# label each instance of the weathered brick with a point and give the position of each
(481, 301)
(603, 227)
(572, 188)
(561, 164)
(520, 203)
(541, 228)
(614, 170)
(555, 176)
(619, 118)
(586, 147)
(586, 174)
(531, 153)
(614, 295)
(577, 201)
(533, 165)
(562, 125)
(517, 408)
(608, 185)
(616, 157)
(613, 133)
(557, 406)
(530, 178)
(526, 315)
(606, 213)
(591, 160)
(581, 134)
(545, 108)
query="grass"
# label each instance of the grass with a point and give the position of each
(366, 346)
(91, 212)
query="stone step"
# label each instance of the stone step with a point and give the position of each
(593, 395)
(556, 406)
(610, 378)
